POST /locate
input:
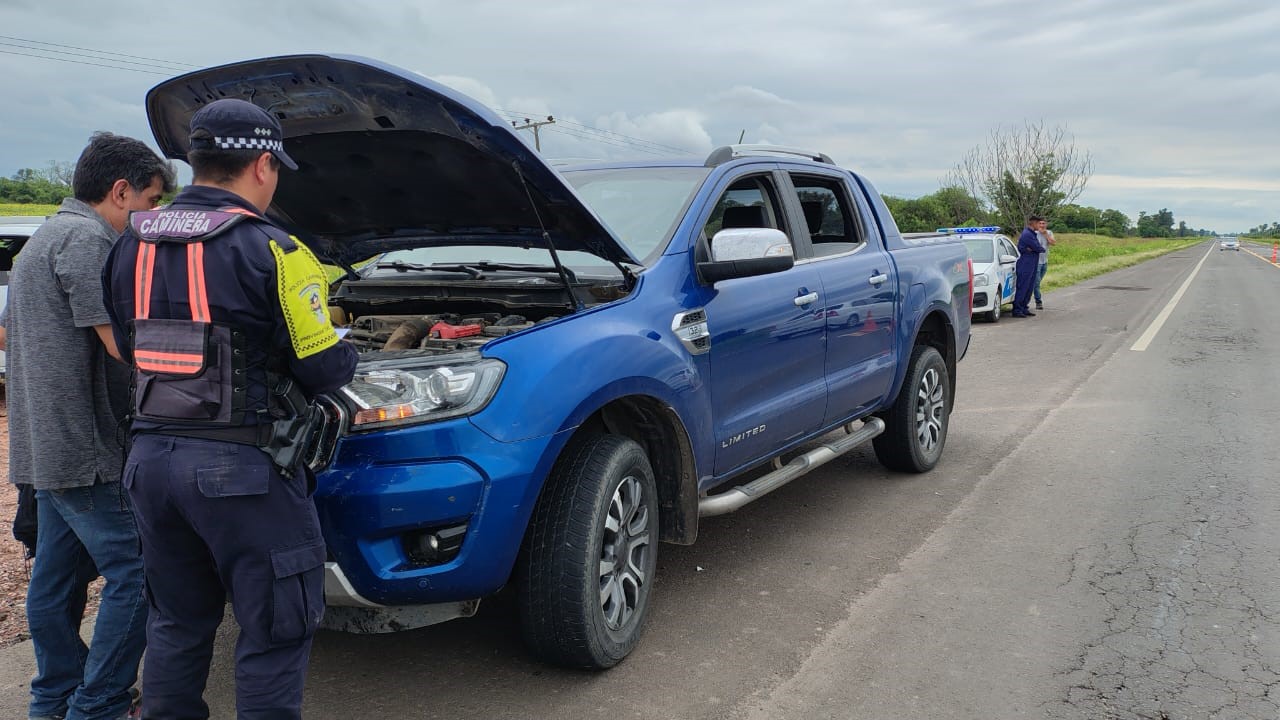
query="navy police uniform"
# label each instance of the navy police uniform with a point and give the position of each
(1028, 264)
(223, 318)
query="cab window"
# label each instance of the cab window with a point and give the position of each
(828, 215)
(751, 202)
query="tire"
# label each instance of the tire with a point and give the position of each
(993, 315)
(581, 607)
(916, 425)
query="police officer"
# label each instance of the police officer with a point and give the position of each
(1029, 249)
(223, 318)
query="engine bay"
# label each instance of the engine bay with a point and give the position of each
(443, 333)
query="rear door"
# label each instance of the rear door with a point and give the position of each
(768, 383)
(859, 291)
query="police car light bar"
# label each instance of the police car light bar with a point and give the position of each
(961, 230)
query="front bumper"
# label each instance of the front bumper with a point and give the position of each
(981, 301)
(347, 611)
(387, 489)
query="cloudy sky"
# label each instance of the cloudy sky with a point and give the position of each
(1178, 101)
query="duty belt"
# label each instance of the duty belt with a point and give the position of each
(257, 435)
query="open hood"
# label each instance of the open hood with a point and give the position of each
(388, 159)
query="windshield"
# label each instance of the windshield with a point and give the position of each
(980, 251)
(641, 205)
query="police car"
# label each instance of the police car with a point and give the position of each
(994, 279)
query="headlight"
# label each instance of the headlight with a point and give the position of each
(408, 391)
(981, 280)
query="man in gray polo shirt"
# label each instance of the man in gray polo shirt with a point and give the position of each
(66, 400)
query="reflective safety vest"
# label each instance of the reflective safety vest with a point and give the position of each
(187, 371)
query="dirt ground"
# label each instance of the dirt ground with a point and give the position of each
(13, 566)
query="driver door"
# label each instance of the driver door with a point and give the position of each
(768, 381)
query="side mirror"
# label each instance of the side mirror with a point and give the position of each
(1004, 259)
(746, 252)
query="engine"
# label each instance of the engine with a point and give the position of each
(437, 333)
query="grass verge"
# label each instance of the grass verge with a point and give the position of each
(1078, 257)
(10, 209)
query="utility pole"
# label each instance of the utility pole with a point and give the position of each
(535, 124)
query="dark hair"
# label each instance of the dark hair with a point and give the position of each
(1035, 218)
(218, 166)
(108, 158)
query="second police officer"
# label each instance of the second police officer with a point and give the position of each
(1029, 249)
(223, 317)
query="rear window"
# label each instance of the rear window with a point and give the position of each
(980, 250)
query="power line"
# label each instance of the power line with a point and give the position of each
(608, 134)
(92, 57)
(577, 130)
(611, 141)
(81, 62)
(100, 52)
(605, 141)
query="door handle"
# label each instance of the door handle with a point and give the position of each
(806, 299)
(877, 279)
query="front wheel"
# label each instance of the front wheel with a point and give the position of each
(993, 315)
(915, 427)
(590, 555)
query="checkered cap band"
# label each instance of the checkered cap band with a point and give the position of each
(238, 143)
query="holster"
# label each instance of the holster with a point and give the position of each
(294, 426)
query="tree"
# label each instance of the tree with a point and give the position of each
(960, 207)
(34, 186)
(1114, 223)
(924, 214)
(59, 173)
(1158, 225)
(1019, 172)
(950, 206)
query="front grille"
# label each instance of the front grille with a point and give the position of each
(331, 425)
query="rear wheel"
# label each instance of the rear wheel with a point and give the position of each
(915, 427)
(993, 315)
(590, 555)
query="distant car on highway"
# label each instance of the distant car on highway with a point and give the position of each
(1229, 243)
(994, 256)
(14, 232)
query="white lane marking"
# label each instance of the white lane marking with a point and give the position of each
(1158, 323)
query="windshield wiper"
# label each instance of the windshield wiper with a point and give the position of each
(403, 266)
(478, 267)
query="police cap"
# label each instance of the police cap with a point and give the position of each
(239, 125)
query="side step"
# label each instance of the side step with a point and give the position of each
(727, 502)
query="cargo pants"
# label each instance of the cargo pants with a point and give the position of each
(217, 520)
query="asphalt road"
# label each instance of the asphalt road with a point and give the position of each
(1099, 542)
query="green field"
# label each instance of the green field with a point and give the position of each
(8, 209)
(1079, 257)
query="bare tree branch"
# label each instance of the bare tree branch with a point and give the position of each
(1019, 172)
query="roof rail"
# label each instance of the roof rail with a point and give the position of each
(725, 153)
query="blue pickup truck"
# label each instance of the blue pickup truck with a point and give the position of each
(565, 366)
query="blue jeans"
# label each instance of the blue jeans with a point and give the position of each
(80, 529)
(1040, 270)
